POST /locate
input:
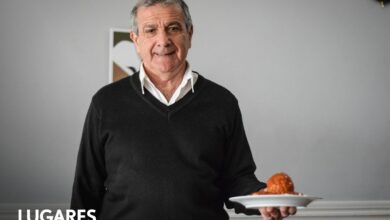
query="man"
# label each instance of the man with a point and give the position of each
(164, 143)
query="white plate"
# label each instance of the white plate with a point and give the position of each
(258, 201)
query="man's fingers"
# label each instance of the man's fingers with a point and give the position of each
(265, 214)
(292, 210)
(270, 213)
(273, 212)
(285, 211)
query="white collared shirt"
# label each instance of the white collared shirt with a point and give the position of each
(187, 84)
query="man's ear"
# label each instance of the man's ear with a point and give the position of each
(134, 38)
(190, 33)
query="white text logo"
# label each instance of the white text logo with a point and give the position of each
(47, 214)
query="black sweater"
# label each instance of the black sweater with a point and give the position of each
(140, 159)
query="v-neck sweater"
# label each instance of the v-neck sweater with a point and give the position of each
(140, 159)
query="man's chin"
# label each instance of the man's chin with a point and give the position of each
(165, 68)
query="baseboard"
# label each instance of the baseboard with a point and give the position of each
(319, 210)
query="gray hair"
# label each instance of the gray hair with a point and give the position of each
(147, 3)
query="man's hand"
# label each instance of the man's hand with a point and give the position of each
(275, 213)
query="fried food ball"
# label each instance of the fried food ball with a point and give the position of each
(280, 183)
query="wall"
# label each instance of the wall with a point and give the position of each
(312, 78)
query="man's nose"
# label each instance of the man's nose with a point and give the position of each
(163, 39)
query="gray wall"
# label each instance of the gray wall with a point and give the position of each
(312, 78)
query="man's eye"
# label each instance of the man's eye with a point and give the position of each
(173, 28)
(150, 30)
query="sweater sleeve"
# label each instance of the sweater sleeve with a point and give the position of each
(239, 166)
(88, 186)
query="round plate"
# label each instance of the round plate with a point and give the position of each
(258, 201)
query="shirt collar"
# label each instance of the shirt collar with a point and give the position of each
(189, 75)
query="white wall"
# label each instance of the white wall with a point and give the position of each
(312, 77)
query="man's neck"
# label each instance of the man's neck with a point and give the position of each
(167, 83)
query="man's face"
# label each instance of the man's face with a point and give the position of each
(163, 39)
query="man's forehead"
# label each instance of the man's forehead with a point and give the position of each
(159, 13)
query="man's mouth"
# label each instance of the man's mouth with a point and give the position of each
(164, 54)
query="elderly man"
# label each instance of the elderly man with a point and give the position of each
(164, 143)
